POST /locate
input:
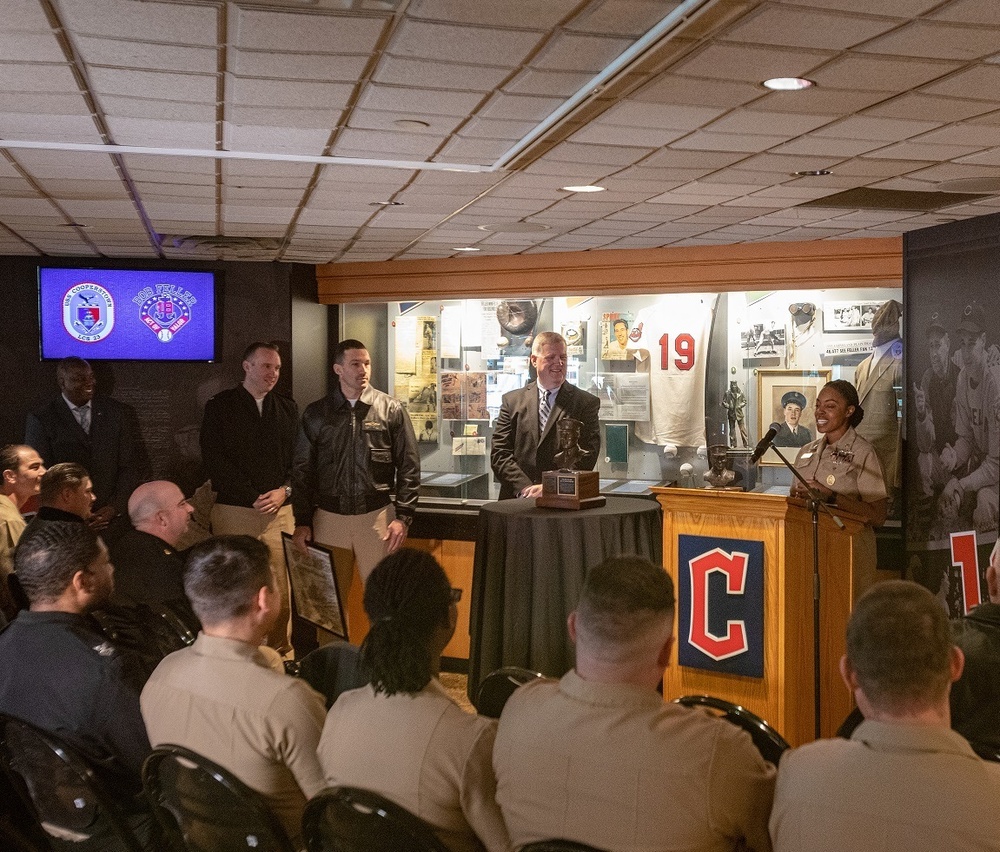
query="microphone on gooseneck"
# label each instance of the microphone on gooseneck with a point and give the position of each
(763, 444)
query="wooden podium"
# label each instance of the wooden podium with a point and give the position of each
(784, 696)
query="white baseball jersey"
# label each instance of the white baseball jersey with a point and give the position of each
(674, 335)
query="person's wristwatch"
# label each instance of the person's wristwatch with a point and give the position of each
(288, 492)
(405, 520)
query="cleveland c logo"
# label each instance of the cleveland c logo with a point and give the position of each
(734, 567)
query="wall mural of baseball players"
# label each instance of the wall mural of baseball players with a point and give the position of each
(952, 476)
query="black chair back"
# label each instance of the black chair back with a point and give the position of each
(202, 807)
(559, 846)
(498, 686)
(57, 786)
(986, 751)
(349, 819)
(333, 669)
(769, 742)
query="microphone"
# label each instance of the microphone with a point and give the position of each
(762, 446)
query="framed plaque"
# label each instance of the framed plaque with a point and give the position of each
(314, 584)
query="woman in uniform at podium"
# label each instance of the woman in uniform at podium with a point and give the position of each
(842, 468)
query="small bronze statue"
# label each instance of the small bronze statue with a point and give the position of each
(718, 475)
(570, 451)
(735, 402)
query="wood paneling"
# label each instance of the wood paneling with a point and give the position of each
(754, 266)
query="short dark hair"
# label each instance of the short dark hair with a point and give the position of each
(847, 392)
(407, 599)
(71, 363)
(899, 645)
(622, 597)
(343, 346)
(58, 477)
(10, 457)
(251, 350)
(50, 553)
(223, 574)
(620, 320)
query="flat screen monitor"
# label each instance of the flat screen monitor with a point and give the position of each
(127, 314)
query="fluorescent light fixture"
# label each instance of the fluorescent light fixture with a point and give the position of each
(587, 188)
(465, 248)
(812, 173)
(787, 84)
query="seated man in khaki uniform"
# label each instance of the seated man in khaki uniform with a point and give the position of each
(599, 758)
(904, 781)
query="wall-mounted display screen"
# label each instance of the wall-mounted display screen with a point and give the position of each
(127, 314)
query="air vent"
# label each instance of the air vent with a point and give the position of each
(249, 246)
(893, 199)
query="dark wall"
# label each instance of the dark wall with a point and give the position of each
(255, 304)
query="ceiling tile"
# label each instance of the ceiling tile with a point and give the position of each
(116, 53)
(624, 17)
(173, 23)
(749, 63)
(879, 73)
(633, 113)
(937, 40)
(297, 66)
(415, 101)
(301, 94)
(647, 137)
(981, 82)
(914, 150)
(168, 134)
(283, 140)
(49, 128)
(533, 81)
(797, 27)
(703, 141)
(578, 52)
(439, 75)
(870, 127)
(30, 47)
(526, 13)
(752, 121)
(821, 101)
(172, 87)
(472, 45)
(928, 108)
(969, 12)
(305, 31)
(145, 107)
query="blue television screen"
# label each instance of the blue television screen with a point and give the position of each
(126, 314)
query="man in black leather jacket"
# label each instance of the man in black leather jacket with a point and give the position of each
(355, 447)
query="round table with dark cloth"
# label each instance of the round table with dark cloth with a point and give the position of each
(528, 571)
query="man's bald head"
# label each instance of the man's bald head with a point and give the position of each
(159, 508)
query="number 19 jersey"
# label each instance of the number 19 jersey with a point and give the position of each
(674, 336)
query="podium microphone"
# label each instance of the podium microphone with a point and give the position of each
(762, 446)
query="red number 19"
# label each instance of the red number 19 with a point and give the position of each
(683, 346)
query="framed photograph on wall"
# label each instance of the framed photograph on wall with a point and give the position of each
(787, 400)
(853, 316)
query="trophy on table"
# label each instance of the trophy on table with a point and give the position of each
(567, 487)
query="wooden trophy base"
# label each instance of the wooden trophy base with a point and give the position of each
(571, 489)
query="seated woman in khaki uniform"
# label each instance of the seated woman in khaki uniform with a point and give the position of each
(403, 736)
(843, 469)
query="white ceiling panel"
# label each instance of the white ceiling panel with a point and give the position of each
(900, 102)
(523, 13)
(297, 66)
(306, 31)
(938, 40)
(464, 44)
(168, 23)
(197, 88)
(118, 53)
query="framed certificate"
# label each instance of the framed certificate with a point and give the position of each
(314, 584)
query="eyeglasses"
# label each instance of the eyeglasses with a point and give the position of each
(456, 595)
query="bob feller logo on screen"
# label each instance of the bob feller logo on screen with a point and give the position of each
(165, 310)
(88, 312)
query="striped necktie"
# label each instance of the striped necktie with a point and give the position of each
(544, 410)
(83, 417)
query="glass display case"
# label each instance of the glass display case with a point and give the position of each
(676, 373)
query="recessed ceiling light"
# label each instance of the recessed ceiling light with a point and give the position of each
(787, 84)
(465, 248)
(812, 173)
(385, 203)
(588, 188)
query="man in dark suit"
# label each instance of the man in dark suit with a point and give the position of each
(99, 433)
(525, 438)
